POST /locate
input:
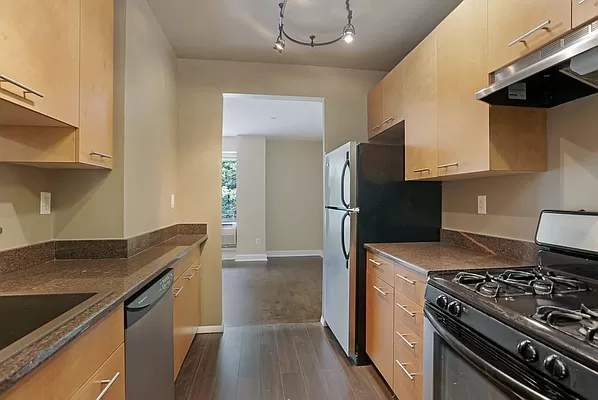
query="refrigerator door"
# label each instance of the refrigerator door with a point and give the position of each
(339, 299)
(338, 176)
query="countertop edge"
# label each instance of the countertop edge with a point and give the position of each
(96, 313)
(414, 268)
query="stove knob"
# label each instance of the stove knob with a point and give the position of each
(556, 367)
(455, 308)
(442, 301)
(527, 350)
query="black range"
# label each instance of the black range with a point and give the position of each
(522, 333)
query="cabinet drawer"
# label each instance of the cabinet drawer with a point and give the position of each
(584, 11)
(379, 325)
(108, 383)
(408, 341)
(185, 314)
(62, 375)
(409, 313)
(191, 259)
(382, 268)
(410, 284)
(407, 376)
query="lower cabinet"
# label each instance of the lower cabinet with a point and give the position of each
(186, 313)
(90, 363)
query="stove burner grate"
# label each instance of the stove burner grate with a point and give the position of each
(565, 320)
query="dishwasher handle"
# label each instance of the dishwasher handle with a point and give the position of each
(145, 299)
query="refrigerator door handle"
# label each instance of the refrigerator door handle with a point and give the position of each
(344, 247)
(343, 174)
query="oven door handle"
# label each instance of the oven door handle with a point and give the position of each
(483, 365)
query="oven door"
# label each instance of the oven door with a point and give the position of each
(461, 364)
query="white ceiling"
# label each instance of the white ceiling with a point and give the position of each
(245, 30)
(273, 116)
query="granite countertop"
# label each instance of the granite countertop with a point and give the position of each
(424, 258)
(121, 277)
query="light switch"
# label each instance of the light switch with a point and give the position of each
(482, 204)
(172, 200)
(45, 206)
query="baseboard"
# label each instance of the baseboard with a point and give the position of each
(228, 254)
(210, 329)
(250, 257)
(323, 321)
(296, 253)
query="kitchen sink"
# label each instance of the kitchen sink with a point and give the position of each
(28, 317)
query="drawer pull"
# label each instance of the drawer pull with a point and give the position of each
(421, 170)
(108, 384)
(582, 1)
(521, 39)
(409, 281)
(178, 291)
(453, 164)
(412, 345)
(101, 155)
(26, 89)
(191, 276)
(376, 263)
(409, 375)
(196, 268)
(382, 292)
(374, 129)
(387, 120)
(411, 314)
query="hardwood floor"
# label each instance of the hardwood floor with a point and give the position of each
(279, 290)
(294, 361)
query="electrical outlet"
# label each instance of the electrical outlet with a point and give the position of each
(172, 200)
(45, 206)
(258, 241)
(482, 204)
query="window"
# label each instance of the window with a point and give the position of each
(229, 187)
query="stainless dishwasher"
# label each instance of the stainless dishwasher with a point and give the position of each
(149, 370)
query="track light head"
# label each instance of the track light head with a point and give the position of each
(279, 45)
(348, 33)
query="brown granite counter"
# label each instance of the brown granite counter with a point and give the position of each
(121, 277)
(424, 258)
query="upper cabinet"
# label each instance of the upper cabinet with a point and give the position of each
(584, 11)
(420, 87)
(517, 27)
(385, 103)
(39, 63)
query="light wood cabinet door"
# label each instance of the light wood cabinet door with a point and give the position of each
(40, 50)
(375, 99)
(109, 380)
(462, 46)
(97, 53)
(379, 325)
(584, 11)
(392, 98)
(517, 27)
(186, 315)
(421, 109)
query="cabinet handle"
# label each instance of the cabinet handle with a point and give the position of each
(196, 268)
(582, 1)
(178, 291)
(376, 263)
(411, 314)
(376, 128)
(453, 164)
(409, 375)
(382, 292)
(387, 120)
(409, 281)
(108, 384)
(412, 345)
(522, 38)
(101, 155)
(421, 170)
(26, 89)
(191, 276)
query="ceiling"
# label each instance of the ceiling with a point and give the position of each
(245, 30)
(299, 118)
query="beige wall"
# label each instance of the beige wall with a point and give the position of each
(514, 202)
(200, 88)
(294, 195)
(20, 220)
(251, 195)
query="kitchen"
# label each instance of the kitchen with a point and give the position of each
(121, 205)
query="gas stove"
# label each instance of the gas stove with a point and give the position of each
(544, 316)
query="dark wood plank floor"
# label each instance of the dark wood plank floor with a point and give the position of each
(279, 290)
(294, 361)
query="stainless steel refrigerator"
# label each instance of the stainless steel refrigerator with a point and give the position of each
(367, 201)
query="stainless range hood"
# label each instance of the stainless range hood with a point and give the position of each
(557, 73)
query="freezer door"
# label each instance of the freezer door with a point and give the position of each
(338, 176)
(338, 289)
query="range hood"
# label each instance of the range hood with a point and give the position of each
(562, 71)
